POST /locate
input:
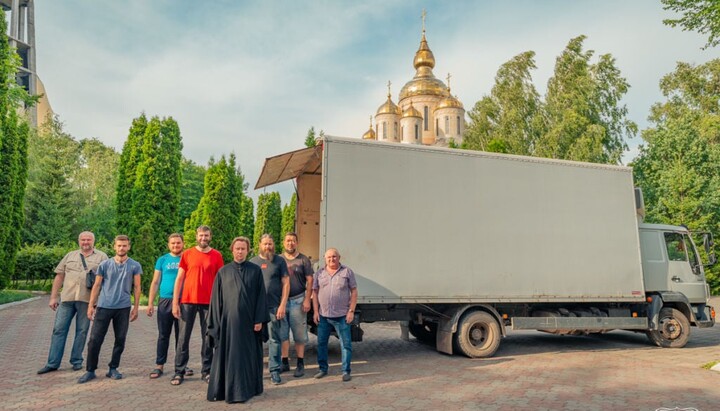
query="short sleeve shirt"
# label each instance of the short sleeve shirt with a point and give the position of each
(334, 291)
(273, 272)
(168, 267)
(200, 270)
(117, 282)
(71, 266)
(299, 268)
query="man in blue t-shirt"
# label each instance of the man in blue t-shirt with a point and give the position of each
(115, 279)
(166, 270)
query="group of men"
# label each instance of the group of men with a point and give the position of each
(239, 305)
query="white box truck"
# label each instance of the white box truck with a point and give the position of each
(459, 245)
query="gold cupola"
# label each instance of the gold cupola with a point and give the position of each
(411, 112)
(389, 107)
(449, 101)
(424, 82)
(370, 134)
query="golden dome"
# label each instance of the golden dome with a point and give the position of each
(424, 82)
(449, 102)
(388, 107)
(370, 134)
(411, 112)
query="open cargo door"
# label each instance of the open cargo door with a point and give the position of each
(306, 166)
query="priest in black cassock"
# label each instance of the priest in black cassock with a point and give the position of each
(237, 313)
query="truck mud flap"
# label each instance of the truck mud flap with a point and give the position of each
(579, 323)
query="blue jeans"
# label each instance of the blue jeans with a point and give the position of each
(65, 313)
(296, 319)
(277, 328)
(342, 328)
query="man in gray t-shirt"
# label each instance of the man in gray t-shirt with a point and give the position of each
(113, 282)
(277, 286)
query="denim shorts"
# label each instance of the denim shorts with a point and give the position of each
(297, 321)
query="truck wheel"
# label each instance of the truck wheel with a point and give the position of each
(425, 333)
(478, 335)
(673, 329)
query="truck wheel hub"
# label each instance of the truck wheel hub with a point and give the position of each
(670, 328)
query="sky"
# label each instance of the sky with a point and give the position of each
(251, 77)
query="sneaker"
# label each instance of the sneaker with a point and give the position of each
(299, 371)
(114, 374)
(285, 367)
(320, 374)
(275, 378)
(347, 377)
(90, 375)
(77, 367)
(46, 369)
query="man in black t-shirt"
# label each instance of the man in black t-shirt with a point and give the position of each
(301, 277)
(277, 286)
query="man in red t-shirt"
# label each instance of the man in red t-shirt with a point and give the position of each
(191, 297)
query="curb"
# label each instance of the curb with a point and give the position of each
(12, 304)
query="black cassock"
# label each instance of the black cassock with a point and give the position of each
(237, 304)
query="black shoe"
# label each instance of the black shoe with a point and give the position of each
(77, 367)
(114, 374)
(275, 378)
(90, 375)
(299, 371)
(347, 377)
(285, 367)
(46, 369)
(320, 374)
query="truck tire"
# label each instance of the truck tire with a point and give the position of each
(426, 332)
(478, 335)
(673, 329)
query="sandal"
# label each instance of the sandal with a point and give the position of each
(205, 377)
(156, 373)
(177, 379)
(189, 372)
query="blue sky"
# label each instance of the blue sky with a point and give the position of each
(251, 77)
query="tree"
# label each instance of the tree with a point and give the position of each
(268, 219)
(96, 181)
(289, 212)
(129, 160)
(191, 190)
(508, 120)
(678, 167)
(14, 131)
(310, 139)
(221, 205)
(702, 16)
(584, 118)
(51, 200)
(247, 218)
(155, 193)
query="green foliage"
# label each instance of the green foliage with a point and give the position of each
(678, 168)
(14, 132)
(8, 296)
(221, 205)
(51, 202)
(268, 219)
(310, 138)
(702, 16)
(289, 212)
(247, 218)
(191, 189)
(584, 118)
(155, 148)
(37, 262)
(96, 181)
(508, 120)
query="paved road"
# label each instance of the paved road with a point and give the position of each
(531, 371)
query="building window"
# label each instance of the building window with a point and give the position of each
(447, 125)
(426, 118)
(417, 132)
(384, 130)
(377, 133)
(396, 134)
(458, 125)
(437, 127)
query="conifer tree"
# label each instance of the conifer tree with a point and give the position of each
(288, 217)
(129, 160)
(268, 219)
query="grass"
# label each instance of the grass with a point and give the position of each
(9, 296)
(37, 285)
(710, 364)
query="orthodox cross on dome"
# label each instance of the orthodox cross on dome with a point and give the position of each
(388, 86)
(448, 81)
(423, 15)
(370, 120)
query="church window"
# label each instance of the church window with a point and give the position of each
(425, 118)
(395, 136)
(447, 125)
(458, 125)
(417, 132)
(437, 127)
(384, 130)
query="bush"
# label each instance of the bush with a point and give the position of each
(37, 262)
(7, 296)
